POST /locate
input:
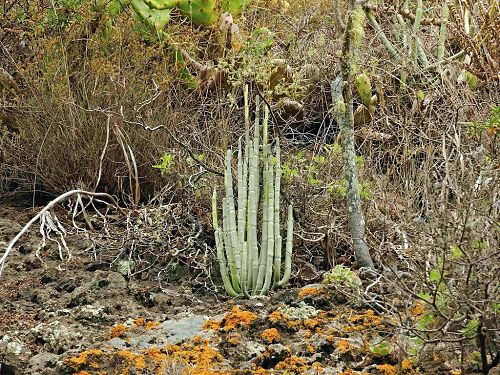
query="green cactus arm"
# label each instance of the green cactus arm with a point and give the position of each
(419, 52)
(374, 24)
(277, 241)
(247, 115)
(233, 234)
(256, 188)
(289, 249)
(418, 16)
(256, 146)
(244, 271)
(254, 224)
(265, 133)
(269, 253)
(200, 12)
(242, 195)
(267, 192)
(228, 245)
(403, 30)
(220, 249)
(222, 264)
(215, 220)
(264, 230)
(421, 55)
(442, 31)
(256, 129)
(161, 4)
(252, 218)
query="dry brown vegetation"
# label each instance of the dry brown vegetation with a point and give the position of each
(78, 110)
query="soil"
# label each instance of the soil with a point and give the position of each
(80, 316)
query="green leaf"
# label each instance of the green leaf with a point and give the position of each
(425, 320)
(470, 329)
(456, 252)
(382, 349)
(166, 163)
(435, 275)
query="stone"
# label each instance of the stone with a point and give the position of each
(168, 332)
(14, 355)
(43, 363)
(57, 336)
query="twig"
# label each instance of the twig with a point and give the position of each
(49, 206)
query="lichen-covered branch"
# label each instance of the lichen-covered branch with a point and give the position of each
(342, 96)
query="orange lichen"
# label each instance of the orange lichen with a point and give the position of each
(276, 316)
(294, 324)
(84, 357)
(127, 355)
(238, 317)
(387, 369)
(140, 363)
(309, 291)
(139, 322)
(199, 359)
(363, 321)
(296, 365)
(261, 371)
(306, 334)
(232, 320)
(117, 331)
(343, 346)
(155, 354)
(311, 323)
(270, 335)
(418, 309)
(152, 325)
(214, 325)
(82, 373)
(406, 365)
(311, 349)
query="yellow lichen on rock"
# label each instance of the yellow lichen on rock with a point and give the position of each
(270, 335)
(343, 346)
(232, 320)
(386, 369)
(309, 291)
(117, 331)
(84, 357)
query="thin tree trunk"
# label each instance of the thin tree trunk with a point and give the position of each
(343, 106)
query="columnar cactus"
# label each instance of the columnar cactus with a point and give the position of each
(247, 269)
(406, 35)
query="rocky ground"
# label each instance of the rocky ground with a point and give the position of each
(80, 317)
